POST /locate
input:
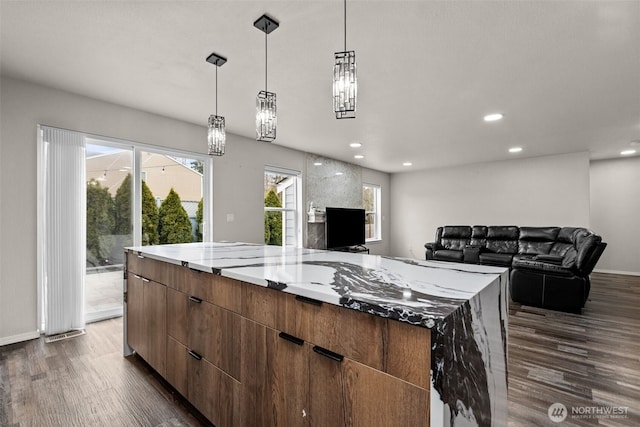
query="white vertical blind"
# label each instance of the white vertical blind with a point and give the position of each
(64, 229)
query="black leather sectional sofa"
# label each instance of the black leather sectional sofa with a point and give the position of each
(550, 266)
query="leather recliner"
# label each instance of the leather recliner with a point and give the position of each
(550, 266)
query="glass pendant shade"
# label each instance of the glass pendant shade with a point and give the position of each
(345, 85)
(217, 135)
(266, 117)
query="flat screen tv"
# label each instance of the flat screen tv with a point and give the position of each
(345, 227)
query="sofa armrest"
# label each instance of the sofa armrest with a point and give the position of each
(553, 259)
(431, 248)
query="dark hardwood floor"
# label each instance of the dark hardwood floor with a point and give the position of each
(84, 381)
(590, 362)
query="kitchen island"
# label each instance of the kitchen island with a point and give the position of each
(265, 335)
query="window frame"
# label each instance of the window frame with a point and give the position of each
(377, 235)
(297, 212)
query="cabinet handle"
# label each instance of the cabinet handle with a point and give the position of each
(327, 353)
(140, 256)
(194, 355)
(195, 299)
(137, 277)
(308, 300)
(145, 280)
(291, 338)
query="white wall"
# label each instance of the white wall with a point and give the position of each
(23, 106)
(540, 191)
(615, 212)
(237, 188)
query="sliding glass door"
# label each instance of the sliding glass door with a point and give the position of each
(98, 195)
(109, 227)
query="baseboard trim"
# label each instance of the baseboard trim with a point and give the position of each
(625, 273)
(19, 338)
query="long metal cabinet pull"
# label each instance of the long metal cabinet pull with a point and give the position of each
(328, 353)
(291, 338)
(194, 355)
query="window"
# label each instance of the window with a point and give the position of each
(372, 222)
(282, 213)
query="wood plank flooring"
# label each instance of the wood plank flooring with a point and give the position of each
(582, 361)
(590, 362)
(84, 381)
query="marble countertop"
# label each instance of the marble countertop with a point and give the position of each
(414, 291)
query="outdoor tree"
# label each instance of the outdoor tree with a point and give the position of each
(122, 209)
(100, 223)
(199, 222)
(174, 225)
(273, 220)
(197, 166)
(149, 217)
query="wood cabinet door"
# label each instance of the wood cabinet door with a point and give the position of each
(155, 313)
(347, 393)
(275, 378)
(177, 366)
(135, 314)
(177, 315)
(215, 394)
(216, 333)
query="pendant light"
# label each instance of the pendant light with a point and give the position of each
(345, 83)
(266, 117)
(217, 135)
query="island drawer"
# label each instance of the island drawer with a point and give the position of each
(397, 348)
(211, 331)
(218, 290)
(149, 268)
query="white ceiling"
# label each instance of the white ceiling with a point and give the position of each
(566, 74)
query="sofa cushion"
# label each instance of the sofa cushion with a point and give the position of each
(502, 239)
(539, 234)
(541, 265)
(455, 237)
(500, 259)
(478, 235)
(448, 255)
(537, 240)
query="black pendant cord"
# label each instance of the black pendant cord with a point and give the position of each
(216, 90)
(266, 55)
(345, 25)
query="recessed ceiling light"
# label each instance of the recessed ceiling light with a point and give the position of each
(358, 156)
(493, 117)
(355, 145)
(628, 152)
(338, 173)
(317, 163)
(515, 149)
(407, 164)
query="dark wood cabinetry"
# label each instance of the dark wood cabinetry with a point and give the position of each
(146, 320)
(245, 355)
